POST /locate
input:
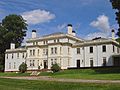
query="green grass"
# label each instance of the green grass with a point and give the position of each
(83, 74)
(13, 84)
(12, 74)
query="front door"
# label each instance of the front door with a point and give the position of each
(91, 63)
(78, 63)
(45, 64)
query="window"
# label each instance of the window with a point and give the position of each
(14, 65)
(60, 50)
(91, 49)
(60, 61)
(117, 50)
(55, 60)
(68, 50)
(46, 51)
(33, 43)
(30, 63)
(113, 48)
(51, 50)
(54, 41)
(23, 55)
(57, 40)
(36, 43)
(38, 62)
(43, 42)
(7, 56)
(33, 62)
(38, 52)
(30, 52)
(12, 55)
(55, 50)
(51, 61)
(104, 61)
(9, 65)
(78, 50)
(33, 52)
(104, 48)
(68, 62)
(17, 55)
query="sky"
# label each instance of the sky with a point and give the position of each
(90, 18)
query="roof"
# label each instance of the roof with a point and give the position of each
(56, 33)
(97, 42)
(54, 36)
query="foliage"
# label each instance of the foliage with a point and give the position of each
(12, 30)
(16, 28)
(23, 67)
(116, 5)
(55, 68)
(1, 68)
(38, 67)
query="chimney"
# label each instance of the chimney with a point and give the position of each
(73, 33)
(34, 34)
(70, 29)
(12, 46)
(113, 34)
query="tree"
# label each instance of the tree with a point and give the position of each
(23, 67)
(55, 67)
(12, 30)
(116, 5)
(16, 28)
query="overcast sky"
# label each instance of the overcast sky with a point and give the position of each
(90, 18)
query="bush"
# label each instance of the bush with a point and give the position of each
(23, 67)
(55, 68)
(1, 68)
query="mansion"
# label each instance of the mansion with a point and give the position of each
(66, 49)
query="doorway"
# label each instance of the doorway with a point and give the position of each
(45, 64)
(91, 63)
(78, 63)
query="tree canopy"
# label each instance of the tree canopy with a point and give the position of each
(116, 5)
(12, 30)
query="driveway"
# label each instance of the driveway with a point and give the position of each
(47, 78)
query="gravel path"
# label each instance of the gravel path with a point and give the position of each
(46, 78)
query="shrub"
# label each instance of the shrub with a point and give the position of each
(23, 67)
(1, 68)
(55, 68)
(38, 67)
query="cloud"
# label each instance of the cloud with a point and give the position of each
(102, 23)
(96, 34)
(61, 27)
(38, 16)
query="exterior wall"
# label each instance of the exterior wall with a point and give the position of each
(97, 55)
(12, 64)
(39, 52)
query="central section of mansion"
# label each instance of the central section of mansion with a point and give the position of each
(67, 50)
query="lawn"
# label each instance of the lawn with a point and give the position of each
(84, 74)
(13, 74)
(13, 84)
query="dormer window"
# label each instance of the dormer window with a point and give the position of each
(55, 41)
